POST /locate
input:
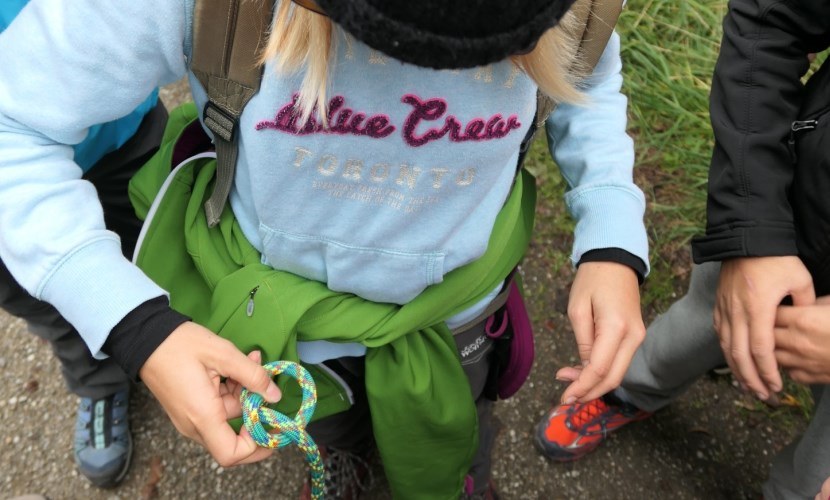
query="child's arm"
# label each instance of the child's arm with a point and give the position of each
(65, 66)
(596, 157)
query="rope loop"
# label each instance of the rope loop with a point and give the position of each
(256, 417)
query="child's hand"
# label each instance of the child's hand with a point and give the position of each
(185, 374)
(604, 310)
(802, 341)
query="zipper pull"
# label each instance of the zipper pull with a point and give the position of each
(250, 309)
(798, 126)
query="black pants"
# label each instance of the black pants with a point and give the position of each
(85, 375)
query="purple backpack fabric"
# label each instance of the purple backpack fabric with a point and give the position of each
(514, 326)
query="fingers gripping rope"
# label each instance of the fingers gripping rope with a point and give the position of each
(256, 416)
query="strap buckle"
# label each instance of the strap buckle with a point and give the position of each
(220, 122)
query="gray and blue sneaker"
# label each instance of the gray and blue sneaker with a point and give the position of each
(103, 444)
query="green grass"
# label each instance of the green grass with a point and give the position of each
(669, 49)
(669, 52)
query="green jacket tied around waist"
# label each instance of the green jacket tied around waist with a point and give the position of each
(423, 414)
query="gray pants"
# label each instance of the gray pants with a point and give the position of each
(682, 345)
(85, 375)
(352, 430)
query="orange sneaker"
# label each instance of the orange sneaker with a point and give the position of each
(568, 432)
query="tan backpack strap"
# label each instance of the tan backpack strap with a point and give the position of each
(598, 29)
(597, 19)
(227, 37)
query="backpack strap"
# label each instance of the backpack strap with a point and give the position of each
(227, 36)
(597, 20)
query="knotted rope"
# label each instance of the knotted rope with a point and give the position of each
(256, 416)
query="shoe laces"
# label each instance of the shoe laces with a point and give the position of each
(587, 412)
(117, 401)
(347, 474)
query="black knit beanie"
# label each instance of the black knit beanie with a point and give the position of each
(444, 34)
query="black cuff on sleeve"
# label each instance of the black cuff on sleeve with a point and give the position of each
(619, 256)
(749, 241)
(141, 331)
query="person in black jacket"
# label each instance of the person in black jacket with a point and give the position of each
(752, 257)
(756, 96)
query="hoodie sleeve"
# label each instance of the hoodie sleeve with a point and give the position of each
(65, 66)
(596, 157)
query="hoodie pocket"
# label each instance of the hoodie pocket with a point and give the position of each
(375, 274)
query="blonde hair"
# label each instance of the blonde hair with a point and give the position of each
(301, 38)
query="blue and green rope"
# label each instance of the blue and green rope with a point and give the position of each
(257, 417)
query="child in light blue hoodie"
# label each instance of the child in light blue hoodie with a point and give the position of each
(375, 158)
(110, 153)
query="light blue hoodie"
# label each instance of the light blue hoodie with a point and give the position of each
(401, 190)
(101, 139)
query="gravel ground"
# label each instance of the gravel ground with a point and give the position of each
(713, 443)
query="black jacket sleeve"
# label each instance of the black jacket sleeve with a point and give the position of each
(756, 95)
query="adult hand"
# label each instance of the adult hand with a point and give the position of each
(749, 292)
(824, 494)
(604, 309)
(185, 374)
(802, 341)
